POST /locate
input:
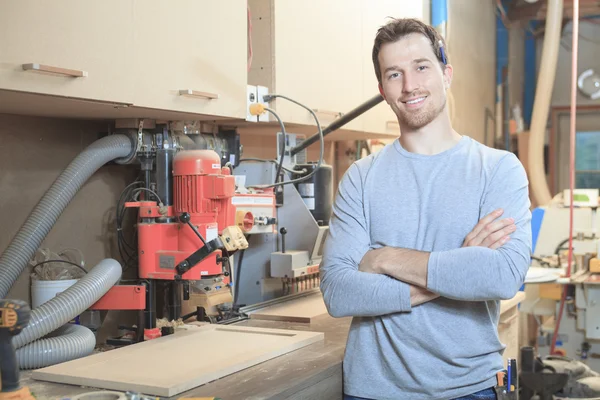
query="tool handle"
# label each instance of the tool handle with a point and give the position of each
(9, 370)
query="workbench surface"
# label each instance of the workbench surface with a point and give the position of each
(312, 372)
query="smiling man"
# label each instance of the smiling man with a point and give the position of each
(426, 237)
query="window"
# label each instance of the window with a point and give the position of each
(587, 160)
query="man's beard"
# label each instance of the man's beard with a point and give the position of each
(418, 119)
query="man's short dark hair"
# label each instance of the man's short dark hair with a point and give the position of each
(396, 29)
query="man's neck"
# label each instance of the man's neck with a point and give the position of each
(434, 138)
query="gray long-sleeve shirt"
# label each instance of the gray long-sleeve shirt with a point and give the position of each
(447, 347)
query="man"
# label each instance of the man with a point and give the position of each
(426, 237)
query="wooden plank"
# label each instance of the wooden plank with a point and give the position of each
(304, 309)
(176, 363)
(506, 305)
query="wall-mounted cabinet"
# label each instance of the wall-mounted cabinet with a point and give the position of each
(75, 48)
(319, 53)
(180, 57)
(191, 56)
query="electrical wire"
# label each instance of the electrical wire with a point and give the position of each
(571, 163)
(127, 251)
(59, 261)
(286, 169)
(150, 191)
(270, 97)
(283, 143)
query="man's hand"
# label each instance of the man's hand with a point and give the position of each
(374, 261)
(491, 232)
(419, 295)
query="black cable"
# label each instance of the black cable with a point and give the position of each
(291, 171)
(561, 244)
(59, 261)
(321, 142)
(127, 251)
(150, 191)
(236, 286)
(283, 143)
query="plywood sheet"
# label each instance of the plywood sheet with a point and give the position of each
(176, 363)
(303, 309)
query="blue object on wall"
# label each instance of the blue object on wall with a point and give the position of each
(537, 216)
(501, 67)
(439, 16)
(530, 80)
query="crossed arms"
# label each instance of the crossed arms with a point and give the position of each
(357, 280)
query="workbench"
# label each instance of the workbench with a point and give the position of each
(313, 372)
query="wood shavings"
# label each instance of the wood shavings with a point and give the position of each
(163, 322)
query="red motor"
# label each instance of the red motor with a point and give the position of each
(202, 193)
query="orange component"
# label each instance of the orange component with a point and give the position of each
(245, 220)
(21, 394)
(122, 297)
(559, 352)
(163, 246)
(153, 333)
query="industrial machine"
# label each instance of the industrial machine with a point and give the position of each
(14, 316)
(286, 262)
(579, 330)
(188, 226)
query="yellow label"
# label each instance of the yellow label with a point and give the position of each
(8, 318)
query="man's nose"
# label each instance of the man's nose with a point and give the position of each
(409, 83)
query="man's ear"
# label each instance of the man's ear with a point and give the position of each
(381, 92)
(448, 72)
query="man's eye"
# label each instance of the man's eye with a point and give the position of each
(421, 67)
(394, 75)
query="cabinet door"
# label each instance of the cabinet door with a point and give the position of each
(72, 48)
(193, 48)
(317, 53)
(381, 118)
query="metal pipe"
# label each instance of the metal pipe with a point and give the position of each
(164, 178)
(338, 123)
(175, 301)
(150, 312)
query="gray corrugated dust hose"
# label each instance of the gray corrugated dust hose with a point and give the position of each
(45, 214)
(71, 341)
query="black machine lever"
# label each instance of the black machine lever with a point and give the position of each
(198, 255)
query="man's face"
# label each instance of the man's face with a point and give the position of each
(412, 80)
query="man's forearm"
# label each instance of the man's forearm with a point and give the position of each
(351, 293)
(406, 265)
(471, 273)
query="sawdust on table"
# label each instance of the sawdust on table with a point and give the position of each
(163, 322)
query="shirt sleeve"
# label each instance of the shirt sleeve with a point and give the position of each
(346, 290)
(480, 273)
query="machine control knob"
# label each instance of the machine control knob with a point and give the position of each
(283, 232)
(185, 217)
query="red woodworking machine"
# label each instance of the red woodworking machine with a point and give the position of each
(187, 228)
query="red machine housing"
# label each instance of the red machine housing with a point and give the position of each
(204, 190)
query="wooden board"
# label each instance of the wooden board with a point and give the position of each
(304, 309)
(176, 363)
